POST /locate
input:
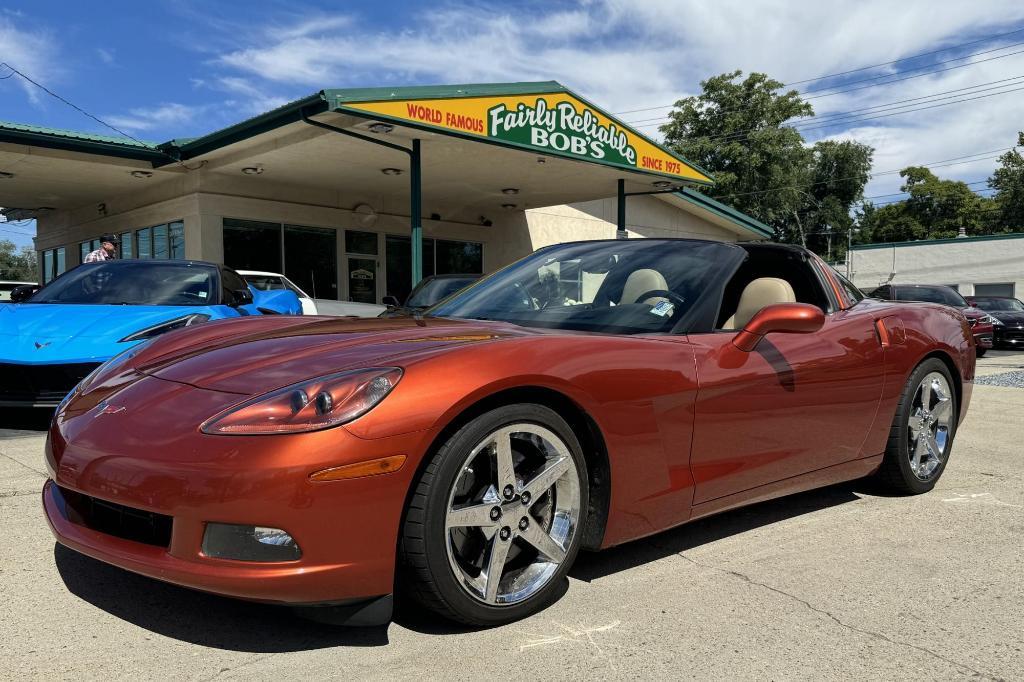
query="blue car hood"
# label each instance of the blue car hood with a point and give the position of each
(39, 333)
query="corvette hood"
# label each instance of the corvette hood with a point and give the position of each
(53, 333)
(251, 356)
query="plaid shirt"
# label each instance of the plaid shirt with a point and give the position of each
(98, 255)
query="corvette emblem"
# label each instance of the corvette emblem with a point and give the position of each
(42, 345)
(106, 408)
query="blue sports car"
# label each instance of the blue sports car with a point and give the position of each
(52, 338)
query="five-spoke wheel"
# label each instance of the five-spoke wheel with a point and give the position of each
(922, 430)
(494, 523)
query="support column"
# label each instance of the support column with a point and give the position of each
(620, 232)
(416, 213)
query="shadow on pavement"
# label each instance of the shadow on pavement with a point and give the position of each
(200, 618)
(232, 624)
(592, 565)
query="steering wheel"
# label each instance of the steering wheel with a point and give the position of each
(661, 293)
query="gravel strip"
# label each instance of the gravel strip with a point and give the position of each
(1014, 379)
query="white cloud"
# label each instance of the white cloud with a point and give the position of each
(162, 117)
(628, 55)
(33, 52)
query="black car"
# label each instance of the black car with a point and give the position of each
(429, 292)
(982, 324)
(1009, 312)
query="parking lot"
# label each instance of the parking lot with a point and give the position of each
(840, 582)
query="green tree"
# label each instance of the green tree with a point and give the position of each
(736, 130)
(934, 209)
(19, 266)
(1008, 181)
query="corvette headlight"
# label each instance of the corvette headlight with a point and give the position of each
(310, 405)
(164, 327)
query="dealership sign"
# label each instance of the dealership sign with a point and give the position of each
(558, 123)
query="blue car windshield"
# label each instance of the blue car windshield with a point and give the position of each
(134, 282)
(634, 286)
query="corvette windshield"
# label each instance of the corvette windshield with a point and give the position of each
(632, 286)
(133, 283)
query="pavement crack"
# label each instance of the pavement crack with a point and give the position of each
(22, 464)
(17, 493)
(835, 619)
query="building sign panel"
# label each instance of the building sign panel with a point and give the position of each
(556, 122)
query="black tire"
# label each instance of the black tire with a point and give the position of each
(896, 473)
(424, 572)
(980, 352)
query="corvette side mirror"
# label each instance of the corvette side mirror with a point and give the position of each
(785, 318)
(24, 292)
(391, 302)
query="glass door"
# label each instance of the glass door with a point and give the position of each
(362, 279)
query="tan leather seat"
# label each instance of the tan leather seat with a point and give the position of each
(640, 282)
(761, 292)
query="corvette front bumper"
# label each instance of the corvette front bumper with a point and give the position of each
(180, 479)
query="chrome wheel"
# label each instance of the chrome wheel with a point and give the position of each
(930, 425)
(512, 514)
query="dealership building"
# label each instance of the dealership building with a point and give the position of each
(989, 265)
(356, 194)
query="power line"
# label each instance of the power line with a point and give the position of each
(936, 164)
(875, 66)
(80, 109)
(847, 119)
(864, 87)
(896, 194)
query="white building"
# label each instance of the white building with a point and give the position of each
(990, 265)
(340, 189)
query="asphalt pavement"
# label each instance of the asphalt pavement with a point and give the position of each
(840, 583)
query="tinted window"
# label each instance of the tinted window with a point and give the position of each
(998, 304)
(623, 287)
(132, 283)
(943, 295)
(231, 282)
(360, 242)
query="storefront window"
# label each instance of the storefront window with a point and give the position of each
(160, 250)
(310, 260)
(463, 258)
(252, 245)
(177, 237)
(361, 242)
(47, 265)
(83, 251)
(125, 247)
(145, 237)
(61, 261)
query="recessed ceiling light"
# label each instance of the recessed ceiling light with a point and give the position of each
(380, 128)
(541, 159)
(510, 190)
(662, 184)
(4, 175)
(253, 170)
(508, 207)
(391, 171)
(142, 175)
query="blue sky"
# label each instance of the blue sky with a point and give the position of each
(159, 70)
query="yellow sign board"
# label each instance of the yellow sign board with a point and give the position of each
(555, 122)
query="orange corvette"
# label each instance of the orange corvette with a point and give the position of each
(585, 396)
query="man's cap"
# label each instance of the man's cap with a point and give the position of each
(112, 238)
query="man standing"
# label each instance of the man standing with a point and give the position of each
(107, 250)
